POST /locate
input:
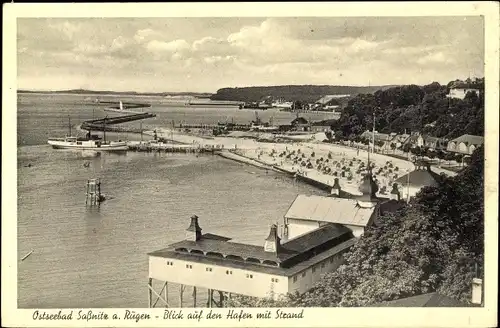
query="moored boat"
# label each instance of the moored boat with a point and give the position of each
(77, 143)
(90, 142)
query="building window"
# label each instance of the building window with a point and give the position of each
(314, 269)
(208, 269)
(322, 265)
(294, 278)
(331, 259)
(189, 266)
(229, 272)
(249, 276)
(303, 274)
(274, 279)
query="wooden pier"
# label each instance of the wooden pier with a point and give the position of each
(228, 126)
(172, 148)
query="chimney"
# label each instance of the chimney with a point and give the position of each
(193, 232)
(336, 187)
(272, 241)
(477, 291)
(395, 194)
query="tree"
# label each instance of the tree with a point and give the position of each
(406, 148)
(449, 157)
(393, 147)
(433, 245)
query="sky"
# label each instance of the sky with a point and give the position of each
(205, 54)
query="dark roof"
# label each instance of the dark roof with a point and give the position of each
(229, 248)
(316, 237)
(327, 235)
(419, 177)
(425, 300)
(215, 237)
(249, 266)
(299, 120)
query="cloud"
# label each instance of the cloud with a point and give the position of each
(144, 34)
(172, 46)
(258, 51)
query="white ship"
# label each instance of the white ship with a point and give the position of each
(88, 143)
(71, 142)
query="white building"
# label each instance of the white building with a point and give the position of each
(411, 183)
(465, 144)
(461, 92)
(275, 268)
(312, 212)
(354, 212)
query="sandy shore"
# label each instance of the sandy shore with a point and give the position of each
(319, 161)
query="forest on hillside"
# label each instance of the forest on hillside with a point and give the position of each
(433, 244)
(425, 109)
(302, 93)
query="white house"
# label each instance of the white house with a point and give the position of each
(277, 267)
(461, 92)
(465, 144)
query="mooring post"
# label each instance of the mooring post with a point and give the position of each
(194, 296)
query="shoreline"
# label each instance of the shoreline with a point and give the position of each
(342, 159)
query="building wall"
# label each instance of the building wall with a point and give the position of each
(357, 231)
(297, 227)
(462, 148)
(304, 280)
(320, 128)
(451, 146)
(238, 281)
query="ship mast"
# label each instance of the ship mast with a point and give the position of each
(408, 183)
(104, 128)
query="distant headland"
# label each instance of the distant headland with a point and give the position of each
(104, 92)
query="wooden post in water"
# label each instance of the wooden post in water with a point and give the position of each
(194, 296)
(93, 192)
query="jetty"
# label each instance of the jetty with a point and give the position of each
(228, 126)
(104, 123)
(140, 146)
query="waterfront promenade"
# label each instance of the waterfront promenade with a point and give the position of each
(329, 161)
(342, 159)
